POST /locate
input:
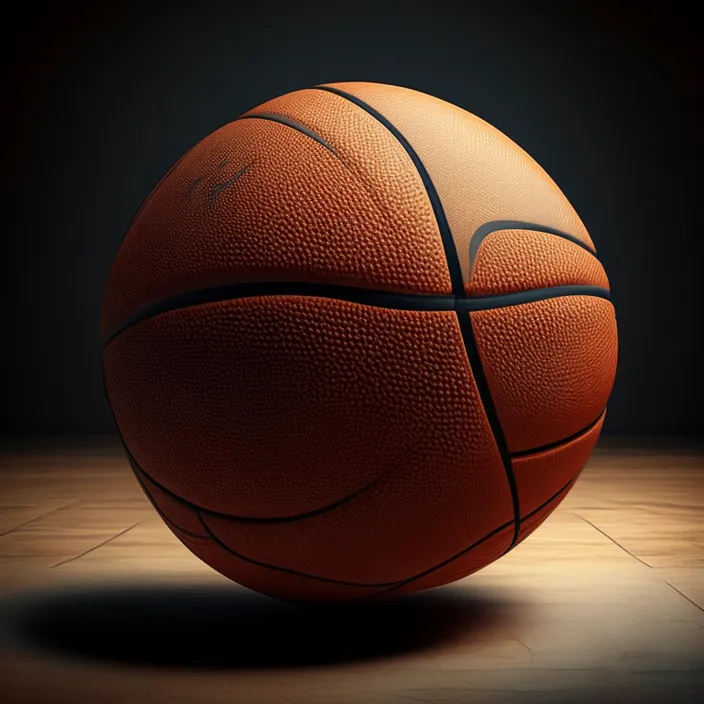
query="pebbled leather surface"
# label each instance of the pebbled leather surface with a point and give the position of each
(175, 512)
(297, 213)
(368, 419)
(480, 174)
(275, 583)
(540, 475)
(276, 406)
(463, 565)
(550, 366)
(509, 261)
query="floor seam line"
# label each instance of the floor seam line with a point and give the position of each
(615, 542)
(95, 547)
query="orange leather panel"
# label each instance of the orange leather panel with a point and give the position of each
(265, 580)
(480, 174)
(464, 565)
(293, 211)
(532, 523)
(550, 365)
(508, 261)
(277, 406)
(543, 474)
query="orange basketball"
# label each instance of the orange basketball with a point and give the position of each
(357, 342)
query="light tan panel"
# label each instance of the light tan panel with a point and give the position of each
(480, 174)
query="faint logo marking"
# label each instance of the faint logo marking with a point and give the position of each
(214, 190)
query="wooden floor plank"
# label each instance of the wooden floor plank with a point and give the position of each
(604, 602)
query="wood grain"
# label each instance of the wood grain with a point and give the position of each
(100, 603)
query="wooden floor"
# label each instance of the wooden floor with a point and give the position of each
(101, 604)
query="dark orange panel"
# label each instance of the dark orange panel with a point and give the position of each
(550, 366)
(532, 523)
(464, 565)
(539, 476)
(176, 513)
(389, 533)
(265, 580)
(279, 406)
(259, 200)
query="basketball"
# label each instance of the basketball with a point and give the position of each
(357, 343)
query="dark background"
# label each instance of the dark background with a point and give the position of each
(100, 103)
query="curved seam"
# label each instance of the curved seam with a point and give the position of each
(226, 547)
(199, 515)
(293, 124)
(449, 560)
(562, 441)
(555, 496)
(352, 294)
(392, 585)
(448, 242)
(199, 512)
(252, 519)
(384, 584)
(464, 320)
(458, 287)
(164, 517)
(531, 295)
(378, 202)
(488, 228)
(481, 540)
(173, 525)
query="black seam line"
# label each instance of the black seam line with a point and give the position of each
(197, 510)
(353, 294)
(282, 119)
(494, 532)
(164, 517)
(199, 513)
(503, 300)
(173, 525)
(318, 578)
(465, 323)
(252, 519)
(448, 242)
(497, 225)
(392, 585)
(561, 441)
